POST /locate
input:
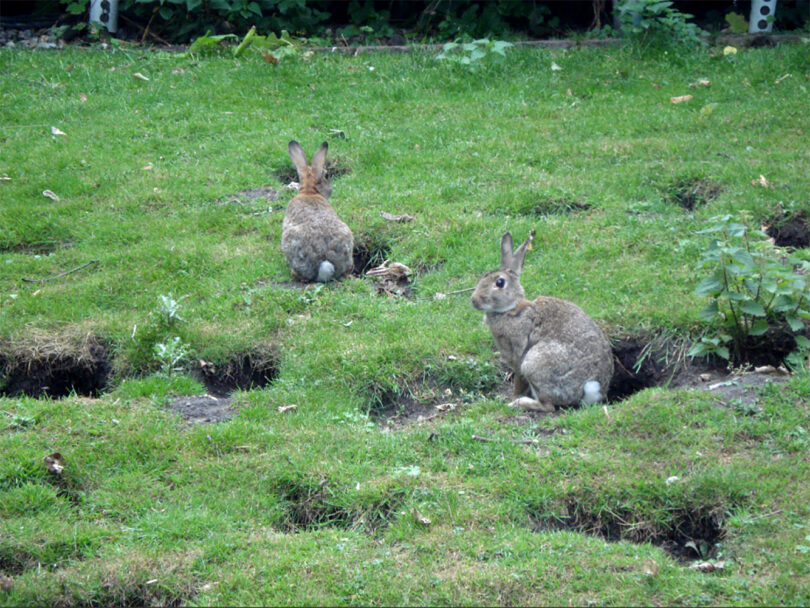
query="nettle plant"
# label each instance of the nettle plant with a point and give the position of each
(753, 287)
(657, 22)
(472, 54)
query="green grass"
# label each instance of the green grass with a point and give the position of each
(319, 504)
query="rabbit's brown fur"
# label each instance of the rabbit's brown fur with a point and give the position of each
(557, 352)
(317, 244)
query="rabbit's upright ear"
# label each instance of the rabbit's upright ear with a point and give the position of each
(507, 259)
(298, 158)
(319, 161)
(520, 254)
(510, 259)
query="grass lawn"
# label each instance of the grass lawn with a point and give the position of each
(139, 267)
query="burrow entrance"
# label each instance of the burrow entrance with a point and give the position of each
(335, 169)
(640, 362)
(243, 371)
(313, 504)
(550, 206)
(690, 533)
(55, 367)
(693, 192)
(788, 229)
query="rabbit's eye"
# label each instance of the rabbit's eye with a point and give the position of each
(500, 282)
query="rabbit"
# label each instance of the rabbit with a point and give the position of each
(317, 245)
(559, 355)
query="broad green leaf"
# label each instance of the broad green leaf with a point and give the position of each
(735, 229)
(759, 327)
(722, 351)
(783, 303)
(795, 323)
(710, 286)
(710, 312)
(802, 342)
(698, 349)
(752, 308)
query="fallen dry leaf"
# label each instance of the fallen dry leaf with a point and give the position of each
(54, 463)
(446, 407)
(6, 583)
(270, 58)
(139, 76)
(651, 568)
(50, 195)
(700, 82)
(762, 181)
(148, 167)
(419, 517)
(178, 71)
(781, 78)
(681, 98)
(286, 408)
(55, 131)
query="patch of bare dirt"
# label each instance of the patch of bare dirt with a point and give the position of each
(205, 409)
(265, 193)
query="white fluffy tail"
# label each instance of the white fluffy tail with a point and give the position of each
(325, 272)
(593, 392)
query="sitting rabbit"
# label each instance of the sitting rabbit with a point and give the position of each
(559, 355)
(317, 245)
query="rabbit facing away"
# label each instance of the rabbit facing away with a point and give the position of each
(317, 244)
(557, 352)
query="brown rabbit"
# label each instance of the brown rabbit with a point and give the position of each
(317, 245)
(559, 355)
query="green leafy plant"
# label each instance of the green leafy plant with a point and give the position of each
(169, 310)
(753, 287)
(273, 48)
(472, 54)
(170, 355)
(656, 22)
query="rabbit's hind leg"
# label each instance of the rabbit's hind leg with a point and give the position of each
(528, 403)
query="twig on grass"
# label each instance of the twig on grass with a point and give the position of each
(490, 439)
(61, 274)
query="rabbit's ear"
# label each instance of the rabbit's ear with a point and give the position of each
(319, 161)
(507, 259)
(520, 254)
(298, 158)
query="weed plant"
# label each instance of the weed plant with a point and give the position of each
(146, 155)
